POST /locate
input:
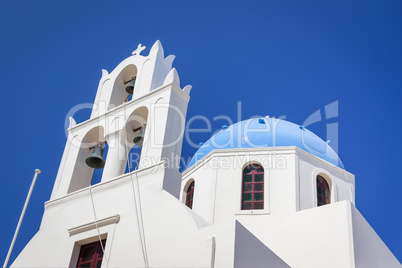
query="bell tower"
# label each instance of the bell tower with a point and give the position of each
(139, 105)
(140, 100)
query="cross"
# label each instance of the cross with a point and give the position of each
(139, 49)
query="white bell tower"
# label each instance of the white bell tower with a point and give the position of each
(157, 102)
(121, 220)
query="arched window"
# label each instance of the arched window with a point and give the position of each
(323, 192)
(190, 195)
(253, 187)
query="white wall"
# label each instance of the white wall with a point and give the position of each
(289, 178)
(341, 182)
(173, 238)
(318, 237)
(370, 250)
(288, 189)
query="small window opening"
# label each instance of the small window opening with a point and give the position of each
(91, 255)
(323, 192)
(253, 187)
(190, 195)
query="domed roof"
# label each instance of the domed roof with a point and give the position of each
(267, 132)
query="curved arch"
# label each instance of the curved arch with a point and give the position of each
(189, 193)
(332, 186)
(185, 188)
(252, 195)
(159, 100)
(137, 120)
(323, 189)
(251, 163)
(92, 137)
(119, 94)
(82, 174)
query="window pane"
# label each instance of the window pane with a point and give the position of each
(248, 187)
(258, 187)
(258, 177)
(88, 253)
(258, 205)
(259, 169)
(258, 196)
(246, 206)
(247, 178)
(323, 192)
(91, 254)
(247, 170)
(246, 197)
(253, 187)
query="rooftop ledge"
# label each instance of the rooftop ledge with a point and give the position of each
(121, 177)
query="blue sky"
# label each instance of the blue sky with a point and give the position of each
(278, 58)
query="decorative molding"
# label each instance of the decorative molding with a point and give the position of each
(187, 89)
(169, 61)
(172, 78)
(92, 225)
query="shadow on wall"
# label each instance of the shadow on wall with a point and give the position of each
(251, 252)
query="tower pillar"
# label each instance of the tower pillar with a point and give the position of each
(116, 157)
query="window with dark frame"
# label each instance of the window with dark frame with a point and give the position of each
(91, 255)
(190, 195)
(323, 192)
(253, 187)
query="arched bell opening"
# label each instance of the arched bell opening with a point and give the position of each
(124, 86)
(136, 126)
(91, 152)
(98, 172)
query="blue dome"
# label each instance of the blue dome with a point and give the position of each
(267, 132)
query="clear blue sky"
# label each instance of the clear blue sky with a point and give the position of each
(279, 58)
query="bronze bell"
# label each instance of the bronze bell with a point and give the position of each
(130, 87)
(96, 159)
(139, 139)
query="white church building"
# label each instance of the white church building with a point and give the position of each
(263, 192)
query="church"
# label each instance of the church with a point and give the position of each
(263, 192)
